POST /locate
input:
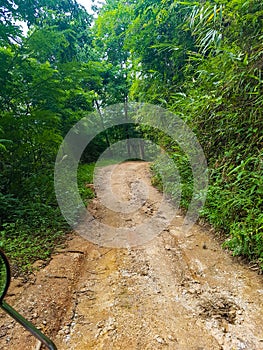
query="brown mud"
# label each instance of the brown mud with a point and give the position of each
(178, 291)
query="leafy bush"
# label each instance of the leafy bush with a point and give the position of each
(32, 236)
(215, 85)
(85, 178)
(33, 229)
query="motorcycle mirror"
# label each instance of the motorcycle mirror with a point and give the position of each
(5, 277)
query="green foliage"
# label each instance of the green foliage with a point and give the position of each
(180, 186)
(224, 100)
(203, 61)
(206, 24)
(235, 205)
(48, 82)
(33, 235)
(159, 50)
(85, 179)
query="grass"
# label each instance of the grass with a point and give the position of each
(32, 238)
(85, 178)
(35, 229)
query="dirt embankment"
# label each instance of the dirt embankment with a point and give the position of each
(178, 291)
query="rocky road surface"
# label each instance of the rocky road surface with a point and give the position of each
(179, 291)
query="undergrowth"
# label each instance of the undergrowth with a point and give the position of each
(32, 236)
(31, 229)
(234, 204)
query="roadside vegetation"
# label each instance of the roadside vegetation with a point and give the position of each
(201, 60)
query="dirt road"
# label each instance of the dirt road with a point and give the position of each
(178, 291)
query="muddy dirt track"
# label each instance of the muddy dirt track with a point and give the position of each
(178, 291)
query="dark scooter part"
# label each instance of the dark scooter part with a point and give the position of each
(5, 278)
